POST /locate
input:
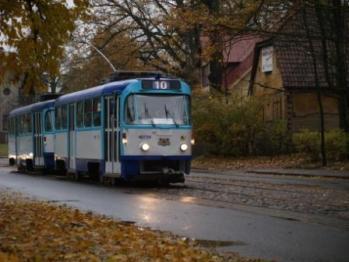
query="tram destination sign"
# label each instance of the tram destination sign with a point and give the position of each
(161, 84)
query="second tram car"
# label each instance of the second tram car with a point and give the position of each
(28, 147)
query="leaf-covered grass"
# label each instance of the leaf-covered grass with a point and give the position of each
(226, 163)
(3, 149)
(221, 163)
(39, 231)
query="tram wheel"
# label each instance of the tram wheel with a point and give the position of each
(11, 161)
(77, 176)
(29, 165)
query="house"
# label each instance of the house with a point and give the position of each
(9, 99)
(284, 78)
(237, 64)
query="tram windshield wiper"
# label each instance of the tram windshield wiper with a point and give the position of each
(146, 111)
(168, 113)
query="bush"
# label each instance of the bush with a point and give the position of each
(273, 139)
(336, 144)
(235, 128)
(308, 143)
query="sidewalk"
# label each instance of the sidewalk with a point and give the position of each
(301, 172)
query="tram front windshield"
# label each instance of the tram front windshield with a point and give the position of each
(157, 110)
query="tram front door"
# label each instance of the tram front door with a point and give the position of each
(111, 136)
(71, 137)
(38, 140)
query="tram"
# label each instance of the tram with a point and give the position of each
(137, 126)
(30, 142)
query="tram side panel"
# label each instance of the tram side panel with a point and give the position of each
(61, 150)
(89, 150)
(12, 141)
(49, 150)
(49, 139)
(12, 149)
(25, 149)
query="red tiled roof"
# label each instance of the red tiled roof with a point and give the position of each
(238, 49)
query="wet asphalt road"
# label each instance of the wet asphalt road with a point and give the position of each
(251, 234)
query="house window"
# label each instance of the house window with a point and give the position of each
(277, 109)
(205, 72)
(267, 59)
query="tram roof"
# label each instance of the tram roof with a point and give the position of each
(108, 88)
(32, 107)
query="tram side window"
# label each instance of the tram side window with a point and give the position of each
(61, 117)
(11, 126)
(64, 117)
(96, 112)
(88, 113)
(48, 121)
(80, 114)
(19, 121)
(58, 118)
(25, 124)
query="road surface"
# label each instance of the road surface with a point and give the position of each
(250, 234)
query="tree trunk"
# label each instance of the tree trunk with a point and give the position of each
(317, 86)
(341, 40)
(216, 41)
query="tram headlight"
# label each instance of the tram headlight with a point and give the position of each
(184, 147)
(124, 138)
(145, 147)
(192, 141)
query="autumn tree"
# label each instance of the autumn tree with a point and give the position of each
(85, 67)
(33, 34)
(169, 33)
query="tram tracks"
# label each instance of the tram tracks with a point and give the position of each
(309, 199)
(244, 184)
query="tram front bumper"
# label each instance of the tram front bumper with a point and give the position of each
(170, 168)
(170, 177)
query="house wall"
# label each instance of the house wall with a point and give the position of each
(305, 111)
(299, 109)
(240, 86)
(8, 101)
(238, 76)
(269, 87)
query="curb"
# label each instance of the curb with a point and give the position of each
(270, 172)
(295, 174)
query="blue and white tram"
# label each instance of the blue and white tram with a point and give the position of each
(134, 129)
(29, 146)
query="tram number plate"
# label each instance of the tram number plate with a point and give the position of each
(164, 141)
(161, 84)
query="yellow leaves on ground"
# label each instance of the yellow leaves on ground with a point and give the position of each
(39, 231)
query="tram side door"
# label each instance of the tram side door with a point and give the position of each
(111, 136)
(71, 137)
(38, 140)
